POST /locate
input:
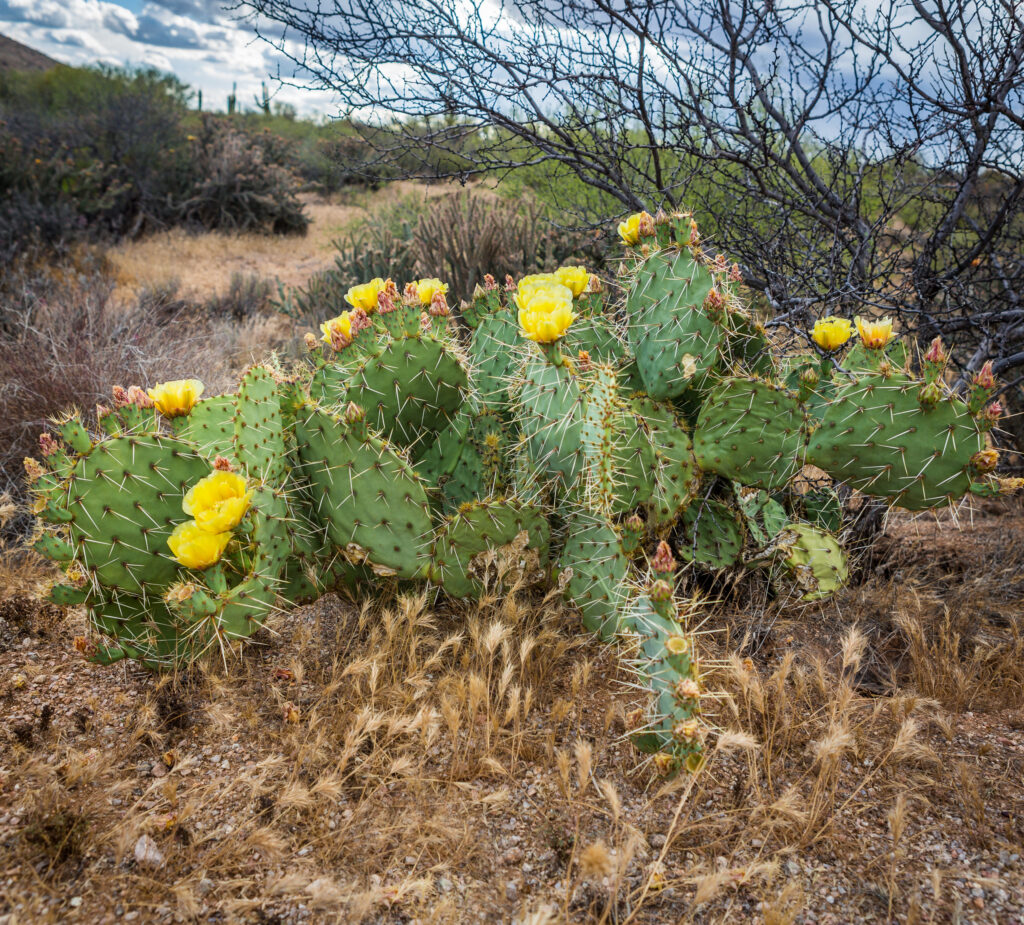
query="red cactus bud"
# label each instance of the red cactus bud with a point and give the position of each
(439, 306)
(510, 284)
(935, 354)
(985, 460)
(584, 360)
(930, 394)
(391, 289)
(48, 444)
(720, 263)
(353, 413)
(411, 293)
(635, 523)
(661, 217)
(386, 302)
(694, 233)
(993, 412)
(360, 321)
(489, 282)
(221, 464)
(140, 397)
(985, 378)
(734, 273)
(714, 304)
(646, 226)
(33, 469)
(663, 561)
(120, 396)
(660, 591)
(809, 377)
(101, 412)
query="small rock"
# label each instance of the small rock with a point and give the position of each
(511, 891)
(147, 852)
(206, 886)
(410, 861)
(657, 841)
(445, 885)
(75, 902)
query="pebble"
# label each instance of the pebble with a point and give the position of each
(206, 886)
(445, 885)
(75, 902)
(147, 852)
(657, 841)
(511, 890)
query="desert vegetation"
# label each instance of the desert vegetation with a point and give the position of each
(481, 554)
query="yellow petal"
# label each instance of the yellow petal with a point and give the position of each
(195, 548)
(176, 398)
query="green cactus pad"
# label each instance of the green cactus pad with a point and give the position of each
(676, 477)
(210, 427)
(364, 494)
(593, 570)
(495, 352)
(478, 527)
(712, 535)
(125, 499)
(764, 516)
(550, 415)
(816, 560)
(674, 340)
(878, 437)
(751, 432)
(259, 427)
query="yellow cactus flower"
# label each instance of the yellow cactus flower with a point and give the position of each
(535, 280)
(831, 333)
(365, 296)
(425, 289)
(218, 502)
(174, 399)
(342, 324)
(195, 548)
(575, 278)
(545, 312)
(630, 229)
(874, 334)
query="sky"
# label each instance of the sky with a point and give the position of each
(198, 40)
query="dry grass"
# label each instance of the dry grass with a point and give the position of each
(202, 264)
(406, 759)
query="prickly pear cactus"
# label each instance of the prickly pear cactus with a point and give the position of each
(548, 431)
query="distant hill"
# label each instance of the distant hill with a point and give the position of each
(17, 57)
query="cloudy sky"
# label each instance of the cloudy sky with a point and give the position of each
(195, 39)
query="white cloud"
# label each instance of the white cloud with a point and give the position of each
(194, 39)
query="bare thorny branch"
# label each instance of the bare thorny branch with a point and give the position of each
(852, 157)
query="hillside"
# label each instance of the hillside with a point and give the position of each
(17, 57)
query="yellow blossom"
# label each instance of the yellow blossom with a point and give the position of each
(365, 296)
(218, 502)
(545, 311)
(342, 324)
(831, 333)
(576, 278)
(173, 399)
(195, 548)
(874, 334)
(629, 230)
(425, 289)
(534, 281)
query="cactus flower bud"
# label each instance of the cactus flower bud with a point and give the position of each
(439, 305)
(660, 591)
(809, 377)
(734, 274)
(221, 464)
(687, 730)
(636, 523)
(353, 413)
(714, 305)
(120, 396)
(992, 413)
(635, 719)
(310, 340)
(510, 284)
(138, 397)
(687, 689)
(638, 225)
(936, 353)
(48, 444)
(985, 460)
(489, 283)
(984, 377)
(33, 469)
(721, 265)
(665, 764)
(663, 561)
(694, 233)
(930, 394)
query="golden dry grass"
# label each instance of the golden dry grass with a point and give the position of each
(404, 759)
(202, 264)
